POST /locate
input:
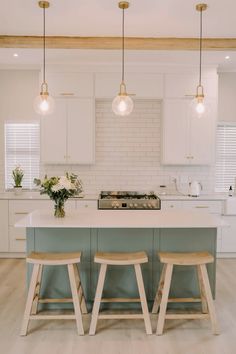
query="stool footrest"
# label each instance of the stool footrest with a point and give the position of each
(127, 316)
(187, 316)
(49, 301)
(120, 299)
(52, 317)
(184, 299)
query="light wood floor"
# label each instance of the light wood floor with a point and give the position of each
(124, 337)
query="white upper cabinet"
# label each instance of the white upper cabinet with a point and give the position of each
(143, 85)
(181, 85)
(186, 139)
(70, 84)
(68, 135)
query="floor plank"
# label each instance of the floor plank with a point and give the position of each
(114, 337)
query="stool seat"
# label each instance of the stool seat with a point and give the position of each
(120, 258)
(53, 258)
(186, 259)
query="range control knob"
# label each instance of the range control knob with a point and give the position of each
(150, 206)
(131, 205)
(145, 206)
(115, 205)
(135, 205)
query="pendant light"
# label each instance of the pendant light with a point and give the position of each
(44, 103)
(122, 104)
(199, 104)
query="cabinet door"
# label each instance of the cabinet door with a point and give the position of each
(202, 132)
(53, 134)
(4, 226)
(81, 131)
(70, 84)
(228, 235)
(175, 130)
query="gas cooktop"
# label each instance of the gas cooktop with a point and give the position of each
(128, 200)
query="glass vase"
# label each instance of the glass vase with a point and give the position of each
(59, 209)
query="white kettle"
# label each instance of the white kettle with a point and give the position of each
(194, 189)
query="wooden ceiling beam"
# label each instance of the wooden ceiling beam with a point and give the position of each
(132, 43)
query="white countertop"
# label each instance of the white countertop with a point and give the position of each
(214, 196)
(25, 195)
(121, 219)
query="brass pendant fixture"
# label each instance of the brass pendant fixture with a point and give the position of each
(44, 103)
(199, 97)
(122, 104)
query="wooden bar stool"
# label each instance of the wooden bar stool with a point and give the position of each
(33, 299)
(120, 259)
(198, 259)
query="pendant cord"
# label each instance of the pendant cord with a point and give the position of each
(44, 44)
(123, 45)
(200, 52)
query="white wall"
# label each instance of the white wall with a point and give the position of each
(127, 149)
(227, 97)
(18, 89)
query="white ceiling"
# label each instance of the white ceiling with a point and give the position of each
(149, 18)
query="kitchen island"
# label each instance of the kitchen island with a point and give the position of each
(90, 231)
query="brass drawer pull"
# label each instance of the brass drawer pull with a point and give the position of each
(22, 212)
(67, 94)
(202, 206)
(20, 239)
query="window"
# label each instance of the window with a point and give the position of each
(225, 156)
(22, 148)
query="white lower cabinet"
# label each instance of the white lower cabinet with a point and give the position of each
(4, 226)
(86, 204)
(228, 240)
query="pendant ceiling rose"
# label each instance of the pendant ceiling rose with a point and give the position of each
(123, 5)
(44, 4)
(201, 7)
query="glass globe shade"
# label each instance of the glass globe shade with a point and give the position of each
(199, 108)
(44, 104)
(122, 105)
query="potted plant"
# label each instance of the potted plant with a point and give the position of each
(17, 175)
(59, 189)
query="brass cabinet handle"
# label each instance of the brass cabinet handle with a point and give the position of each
(202, 206)
(22, 212)
(67, 94)
(20, 238)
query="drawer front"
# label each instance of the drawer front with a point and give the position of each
(171, 204)
(91, 204)
(17, 239)
(210, 206)
(20, 208)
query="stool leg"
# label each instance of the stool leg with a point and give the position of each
(158, 296)
(164, 300)
(30, 298)
(78, 315)
(142, 295)
(97, 299)
(209, 298)
(37, 292)
(202, 292)
(80, 290)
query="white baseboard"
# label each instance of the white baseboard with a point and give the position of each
(226, 255)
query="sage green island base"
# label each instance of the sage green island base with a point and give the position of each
(120, 281)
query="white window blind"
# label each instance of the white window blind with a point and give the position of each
(225, 157)
(22, 148)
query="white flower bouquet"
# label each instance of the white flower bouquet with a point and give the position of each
(59, 189)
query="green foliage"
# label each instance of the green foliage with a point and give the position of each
(61, 188)
(17, 175)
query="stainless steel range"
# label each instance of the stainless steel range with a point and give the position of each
(128, 200)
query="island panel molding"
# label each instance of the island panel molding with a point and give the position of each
(131, 43)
